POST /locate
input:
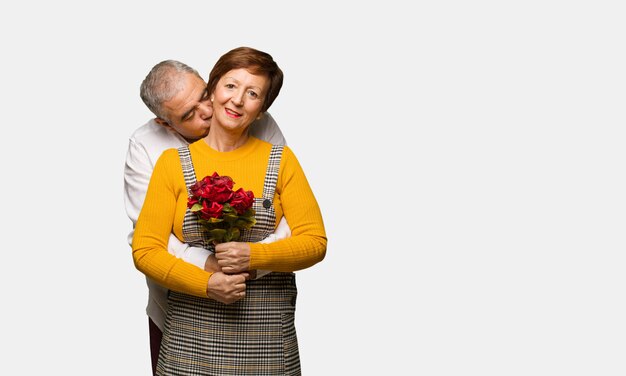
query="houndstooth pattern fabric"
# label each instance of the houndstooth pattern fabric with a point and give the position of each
(254, 336)
(192, 229)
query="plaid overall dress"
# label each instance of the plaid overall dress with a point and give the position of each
(253, 336)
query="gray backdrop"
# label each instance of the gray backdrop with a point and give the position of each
(468, 158)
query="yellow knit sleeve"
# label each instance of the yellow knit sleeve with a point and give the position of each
(154, 226)
(307, 244)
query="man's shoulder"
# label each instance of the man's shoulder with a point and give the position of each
(266, 121)
(150, 129)
(156, 135)
(267, 129)
(153, 139)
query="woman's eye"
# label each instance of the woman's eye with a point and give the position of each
(253, 94)
(230, 86)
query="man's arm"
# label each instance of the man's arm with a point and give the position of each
(137, 172)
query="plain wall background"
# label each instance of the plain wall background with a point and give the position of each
(468, 158)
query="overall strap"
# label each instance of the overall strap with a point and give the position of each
(193, 234)
(271, 175)
(188, 171)
(264, 206)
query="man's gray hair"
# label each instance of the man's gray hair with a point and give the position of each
(162, 83)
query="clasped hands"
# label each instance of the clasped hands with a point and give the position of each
(230, 266)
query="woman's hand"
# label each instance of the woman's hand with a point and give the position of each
(233, 257)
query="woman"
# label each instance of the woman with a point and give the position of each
(220, 322)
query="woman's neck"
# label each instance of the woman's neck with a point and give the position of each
(222, 140)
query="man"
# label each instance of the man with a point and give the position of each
(177, 96)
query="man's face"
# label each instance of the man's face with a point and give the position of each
(190, 110)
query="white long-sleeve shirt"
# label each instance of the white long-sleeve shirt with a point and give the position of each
(144, 148)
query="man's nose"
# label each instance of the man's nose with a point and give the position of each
(206, 110)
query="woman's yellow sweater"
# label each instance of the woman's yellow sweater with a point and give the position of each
(166, 202)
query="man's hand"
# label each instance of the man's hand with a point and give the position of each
(233, 257)
(227, 288)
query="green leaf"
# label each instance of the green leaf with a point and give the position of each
(245, 223)
(217, 234)
(229, 235)
(230, 218)
(196, 207)
(235, 234)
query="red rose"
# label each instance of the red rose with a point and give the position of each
(200, 189)
(212, 210)
(242, 200)
(215, 179)
(220, 188)
(214, 188)
(192, 201)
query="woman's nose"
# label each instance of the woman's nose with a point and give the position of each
(238, 99)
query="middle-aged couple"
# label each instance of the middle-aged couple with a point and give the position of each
(228, 308)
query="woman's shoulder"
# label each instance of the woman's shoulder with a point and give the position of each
(171, 153)
(266, 144)
(288, 152)
(260, 145)
(266, 147)
(168, 158)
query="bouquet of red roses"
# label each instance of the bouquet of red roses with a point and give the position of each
(222, 211)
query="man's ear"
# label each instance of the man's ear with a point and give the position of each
(162, 122)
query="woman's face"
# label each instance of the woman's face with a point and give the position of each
(238, 99)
